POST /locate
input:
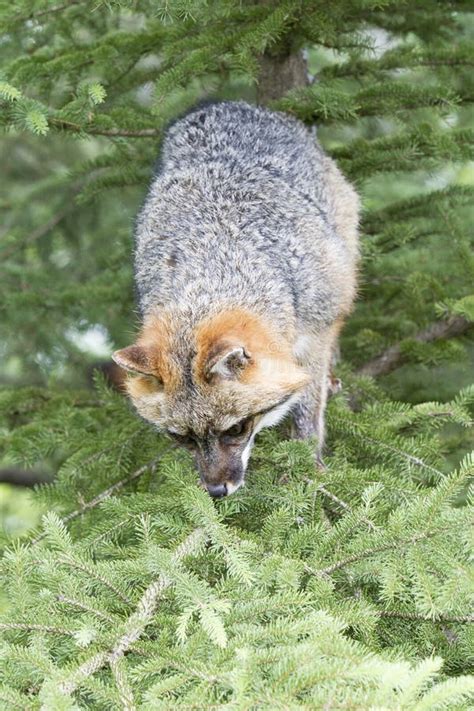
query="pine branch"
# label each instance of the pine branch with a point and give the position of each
(393, 357)
(136, 623)
(147, 605)
(84, 608)
(125, 692)
(42, 230)
(343, 504)
(402, 58)
(85, 670)
(11, 703)
(369, 554)
(333, 497)
(462, 619)
(73, 563)
(401, 453)
(358, 431)
(113, 489)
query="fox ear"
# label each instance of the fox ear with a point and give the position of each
(227, 363)
(135, 359)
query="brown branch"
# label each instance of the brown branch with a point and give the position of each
(23, 477)
(46, 11)
(467, 619)
(111, 132)
(33, 628)
(393, 357)
(40, 231)
(49, 225)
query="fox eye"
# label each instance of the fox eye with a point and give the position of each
(183, 440)
(237, 430)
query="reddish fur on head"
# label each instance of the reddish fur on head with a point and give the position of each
(150, 358)
(241, 365)
(270, 358)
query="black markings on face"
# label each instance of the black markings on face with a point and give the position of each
(237, 434)
(234, 436)
(184, 440)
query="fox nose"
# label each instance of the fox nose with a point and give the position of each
(217, 491)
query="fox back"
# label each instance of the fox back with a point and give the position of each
(246, 250)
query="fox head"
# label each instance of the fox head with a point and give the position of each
(212, 387)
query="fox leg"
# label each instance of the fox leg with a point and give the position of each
(308, 414)
(334, 384)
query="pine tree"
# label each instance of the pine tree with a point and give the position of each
(347, 588)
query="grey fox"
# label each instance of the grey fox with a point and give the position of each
(245, 266)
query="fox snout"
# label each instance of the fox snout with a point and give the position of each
(221, 472)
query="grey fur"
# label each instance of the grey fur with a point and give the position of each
(247, 211)
(242, 210)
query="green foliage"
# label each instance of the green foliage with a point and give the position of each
(304, 587)
(344, 588)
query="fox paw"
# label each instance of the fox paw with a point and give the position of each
(320, 463)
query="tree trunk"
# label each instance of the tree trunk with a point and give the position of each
(279, 73)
